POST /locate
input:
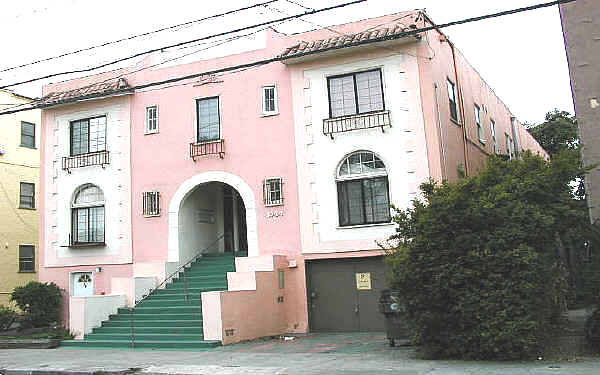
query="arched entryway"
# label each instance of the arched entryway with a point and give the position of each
(206, 207)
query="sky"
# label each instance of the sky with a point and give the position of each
(522, 57)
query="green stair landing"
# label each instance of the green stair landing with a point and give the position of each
(166, 319)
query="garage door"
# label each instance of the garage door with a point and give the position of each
(343, 294)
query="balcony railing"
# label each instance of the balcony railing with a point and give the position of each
(216, 147)
(344, 124)
(85, 160)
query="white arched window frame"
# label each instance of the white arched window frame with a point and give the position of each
(363, 190)
(87, 216)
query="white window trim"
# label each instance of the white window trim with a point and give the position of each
(266, 193)
(147, 129)
(266, 113)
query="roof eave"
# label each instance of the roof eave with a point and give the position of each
(85, 98)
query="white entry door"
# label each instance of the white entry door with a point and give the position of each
(83, 284)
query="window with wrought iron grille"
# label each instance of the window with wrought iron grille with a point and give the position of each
(26, 258)
(269, 100)
(151, 203)
(152, 119)
(273, 191)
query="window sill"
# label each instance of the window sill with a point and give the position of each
(366, 225)
(27, 208)
(150, 133)
(30, 147)
(155, 215)
(274, 204)
(270, 114)
(26, 272)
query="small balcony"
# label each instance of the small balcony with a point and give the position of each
(379, 119)
(101, 158)
(216, 147)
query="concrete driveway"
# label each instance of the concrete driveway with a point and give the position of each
(348, 353)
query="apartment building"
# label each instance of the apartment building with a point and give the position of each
(254, 200)
(19, 198)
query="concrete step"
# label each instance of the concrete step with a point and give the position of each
(153, 323)
(198, 344)
(161, 310)
(192, 330)
(127, 336)
(135, 317)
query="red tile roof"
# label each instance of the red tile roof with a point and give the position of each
(343, 41)
(95, 90)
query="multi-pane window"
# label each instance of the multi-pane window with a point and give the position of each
(355, 93)
(88, 216)
(88, 135)
(209, 123)
(273, 191)
(480, 132)
(269, 100)
(493, 132)
(151, 119)
(27, 134)
(363, 194)
(453, 99)
(26, 258)
(151, 203)
(27, 195)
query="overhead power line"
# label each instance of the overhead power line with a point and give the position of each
(136, 36)
(183, 43)
(281, 58)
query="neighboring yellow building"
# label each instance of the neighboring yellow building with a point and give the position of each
(19, 185)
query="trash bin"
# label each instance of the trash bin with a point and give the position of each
(396, 325)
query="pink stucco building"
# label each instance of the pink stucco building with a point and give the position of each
(287, 170)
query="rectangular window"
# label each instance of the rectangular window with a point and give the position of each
(493, 132)
(26, 258)
(453, 99)
(480, 131)
(88, 225)
(355, 93)
(151, 203)
(209, 123)
(88, 135)
(27, 134)
(269, 100)
(273, 191)
(363, 201)
(510, 147)
(151, 119)
(27, 195)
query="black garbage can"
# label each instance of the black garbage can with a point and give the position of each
(396, 325)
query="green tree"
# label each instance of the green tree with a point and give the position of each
(558, 133)
(478, 262)
(41, 303)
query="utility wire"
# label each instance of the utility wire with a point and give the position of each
(184, 43)
(136, 36)
(281, 58)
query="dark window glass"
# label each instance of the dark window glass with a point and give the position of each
(453, 101)
(88, 225)
(355, 93)
(27, 134)
(88, 135)
(364, 201)
(27, 195)
(208, 119)
(26, 258)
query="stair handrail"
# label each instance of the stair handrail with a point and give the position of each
(176, 272)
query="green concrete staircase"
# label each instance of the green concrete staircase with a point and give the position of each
(166, 319)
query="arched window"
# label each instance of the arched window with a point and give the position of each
(87, 212)
(363, 196)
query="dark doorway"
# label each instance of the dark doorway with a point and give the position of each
(343, 294)
(234, 221)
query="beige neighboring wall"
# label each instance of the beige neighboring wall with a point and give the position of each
(18, 226)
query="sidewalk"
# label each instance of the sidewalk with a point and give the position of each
(354, 353)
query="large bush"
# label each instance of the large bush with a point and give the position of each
(41, 303)
(479, 262)
(7, 317)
